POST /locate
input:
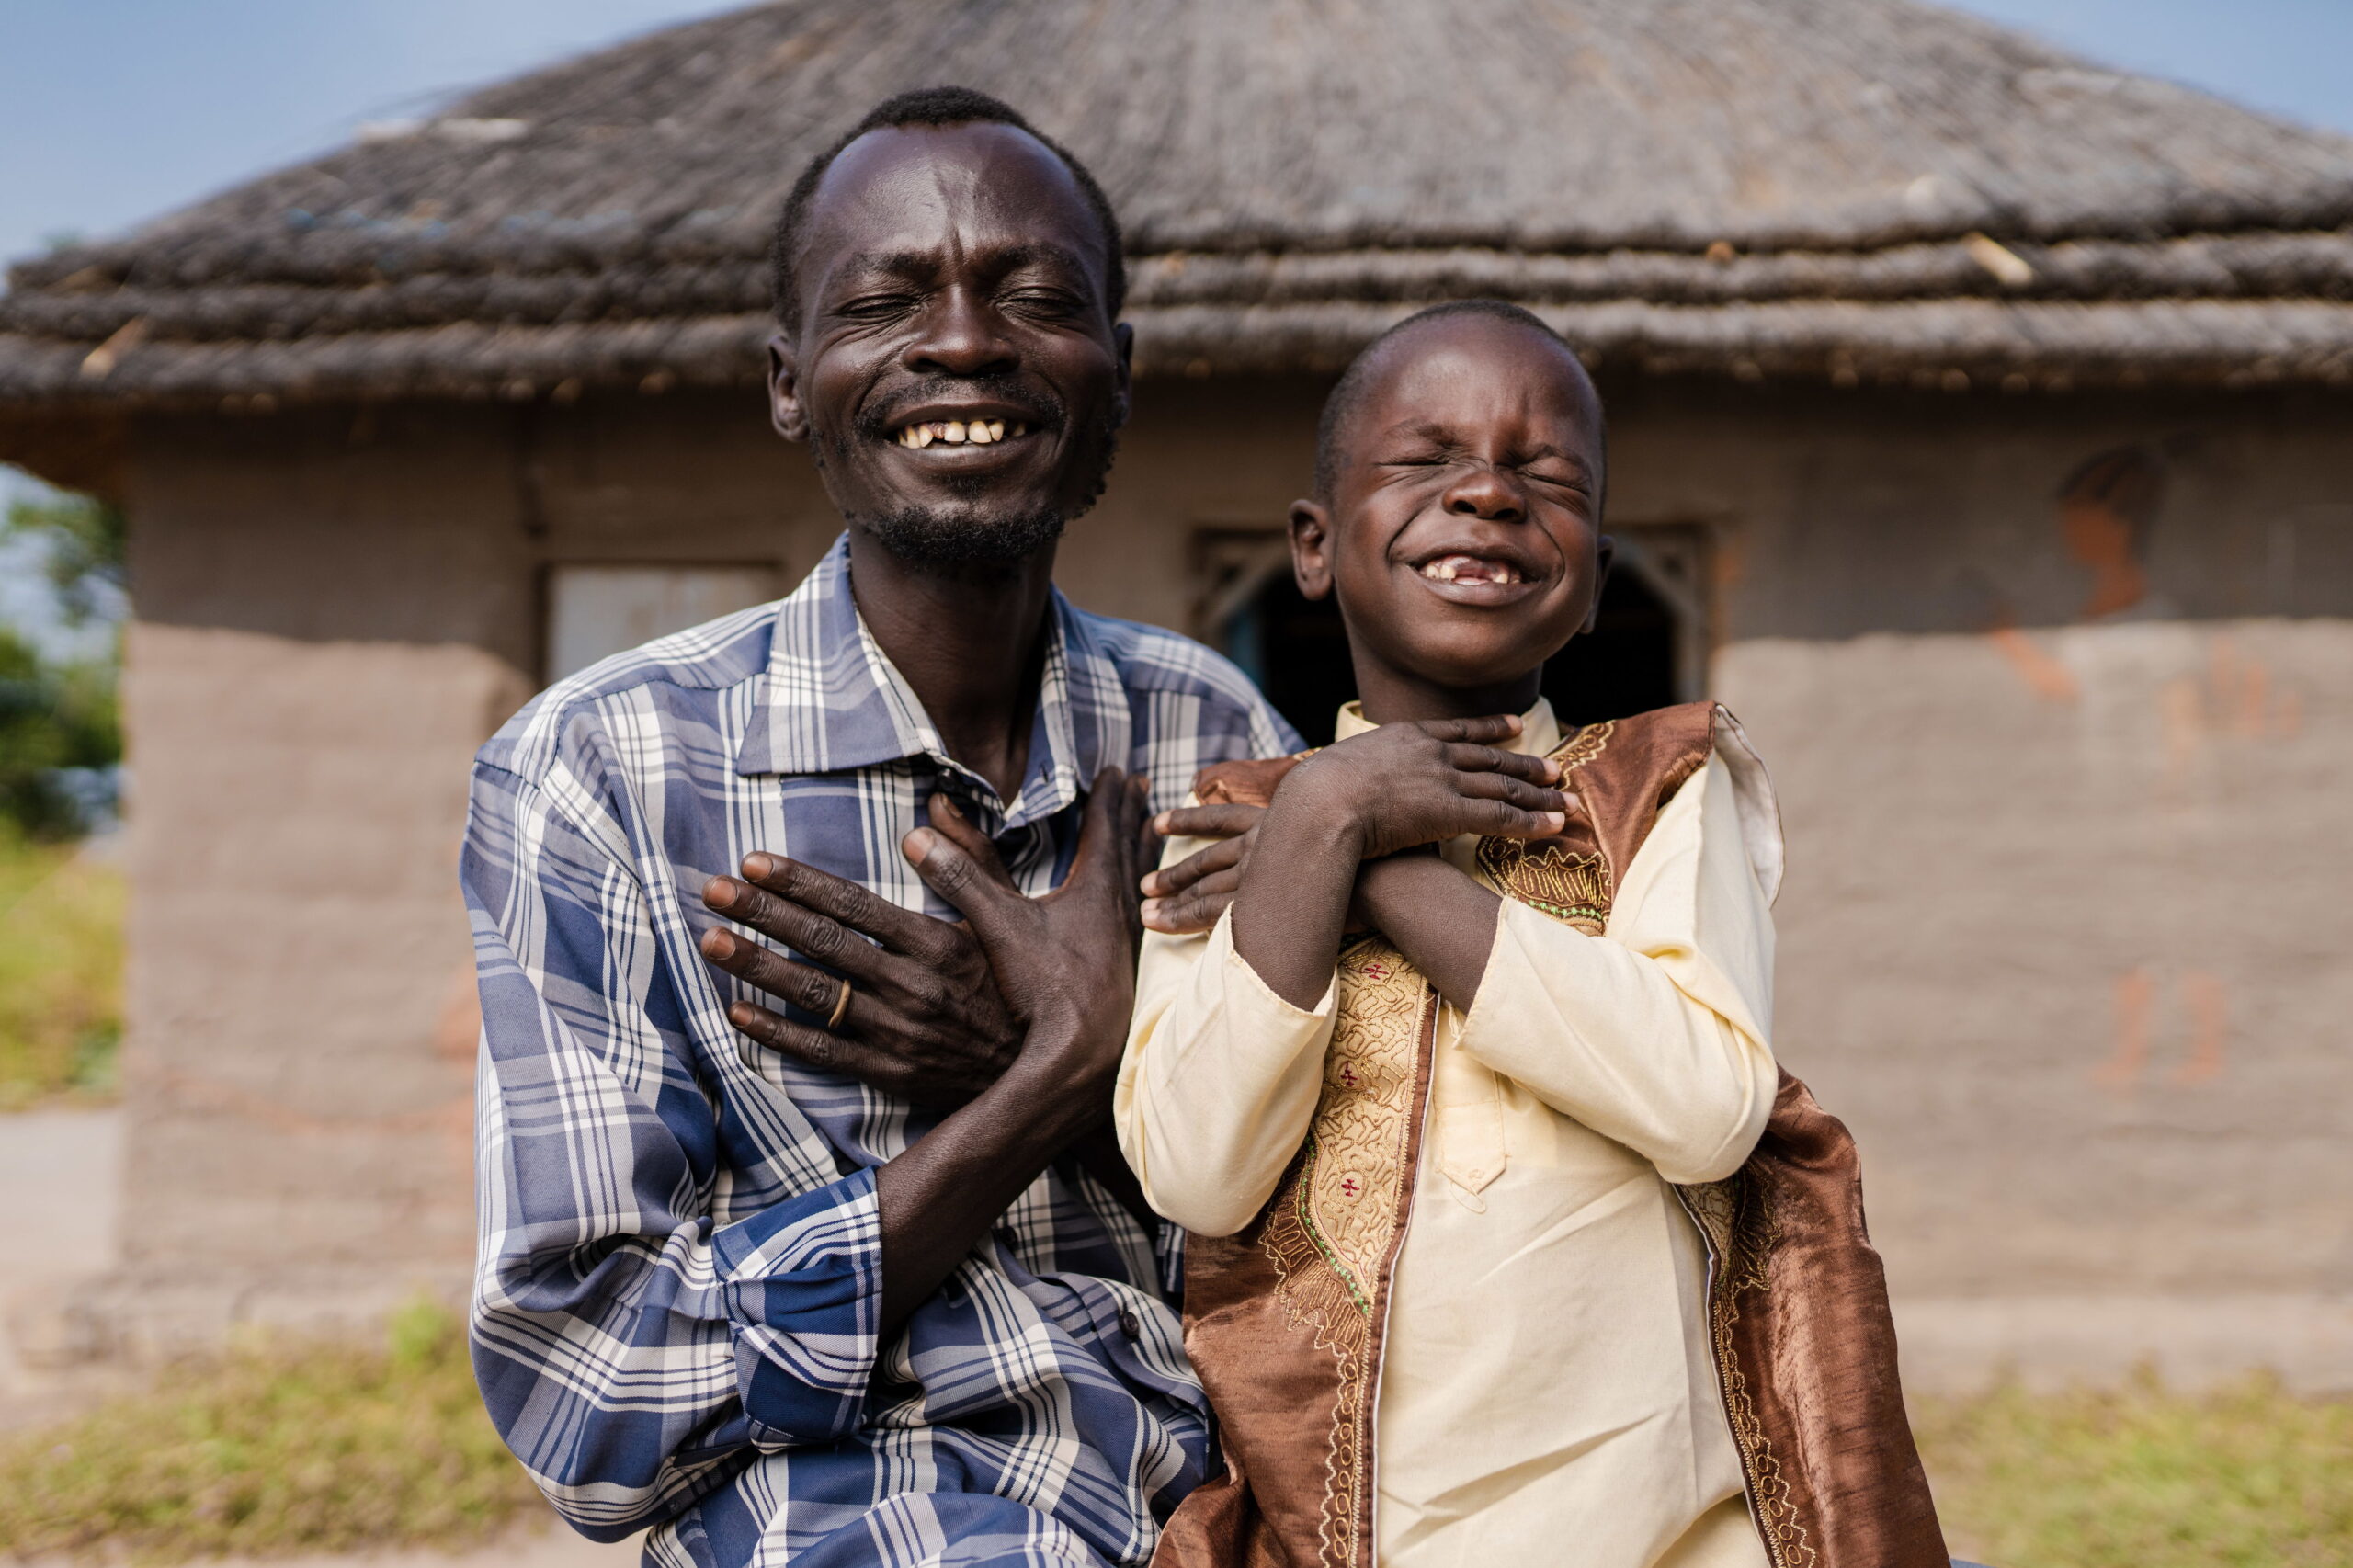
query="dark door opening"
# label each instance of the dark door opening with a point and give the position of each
(1295, 649)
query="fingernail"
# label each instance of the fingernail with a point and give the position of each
(758, 866)
(717, 945)
(720, 893)
(1160, 825)
(1560, 819)
(1151, 909)
(916, 845)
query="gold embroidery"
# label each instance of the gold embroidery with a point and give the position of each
(1735, 1220)
(1333, 1222)
(1585, 745)
(1567, 886)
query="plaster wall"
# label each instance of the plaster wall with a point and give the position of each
(328, 624)
(2059, 938)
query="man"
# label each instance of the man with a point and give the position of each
(849, 1279)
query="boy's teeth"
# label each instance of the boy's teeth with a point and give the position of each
(1458, 568)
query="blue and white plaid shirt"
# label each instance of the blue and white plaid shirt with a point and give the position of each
(675, 1309)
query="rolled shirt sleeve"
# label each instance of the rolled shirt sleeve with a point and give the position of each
(1220, 1079)
(624, 1343)
(1655, 1033)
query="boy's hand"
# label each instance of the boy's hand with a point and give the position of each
(1404, 785)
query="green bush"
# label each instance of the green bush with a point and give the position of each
(320, 1448)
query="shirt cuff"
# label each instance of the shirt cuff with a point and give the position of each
(1259, 1003)
(803, 1280)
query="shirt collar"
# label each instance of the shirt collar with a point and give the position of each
(830, 700)
(1539, 731)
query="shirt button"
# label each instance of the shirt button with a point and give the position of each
(1129, 1324)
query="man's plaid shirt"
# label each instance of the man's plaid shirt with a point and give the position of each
(676, 1307)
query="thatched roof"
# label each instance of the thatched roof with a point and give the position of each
(1855, 189)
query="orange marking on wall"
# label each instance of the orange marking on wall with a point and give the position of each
(457, 1032)
(2287, 715)
(2254, 698)
(2131, 1003)
(2044, 676)
(2102, 540)
(2202, 993)
(2184, 712)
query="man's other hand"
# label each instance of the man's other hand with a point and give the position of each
(1066, 960)
(1188, 896)
(925, 1019)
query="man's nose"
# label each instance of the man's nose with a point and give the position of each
(1484, 492)
(959, 336)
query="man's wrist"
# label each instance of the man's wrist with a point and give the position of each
(1054, 1087)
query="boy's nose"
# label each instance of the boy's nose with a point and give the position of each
(1484, 492)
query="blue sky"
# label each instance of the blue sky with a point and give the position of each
(112, 111)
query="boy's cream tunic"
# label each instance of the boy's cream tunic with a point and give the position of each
(1547, 1392)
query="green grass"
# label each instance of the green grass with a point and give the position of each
(308, 1449)
(61, 973)
(319, 1448)
(2245, 1477)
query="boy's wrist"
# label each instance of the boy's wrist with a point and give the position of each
(1316, 811)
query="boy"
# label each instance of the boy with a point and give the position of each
(1484, 1199)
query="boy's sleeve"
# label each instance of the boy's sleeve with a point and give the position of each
(1657, 1032)
(1220, 1079)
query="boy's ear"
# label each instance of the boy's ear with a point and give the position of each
(784, 412)
(1310, 547)
(1605, 549)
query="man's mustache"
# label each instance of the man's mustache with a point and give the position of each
(879, 421)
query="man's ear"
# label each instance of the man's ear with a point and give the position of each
(1124, 344)
(1605, 549)
(1310, 547)
(791, 421)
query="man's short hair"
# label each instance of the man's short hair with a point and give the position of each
(930, 105)
(1349, 393)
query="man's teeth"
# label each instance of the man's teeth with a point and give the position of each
(960, 432)
(1469, 569)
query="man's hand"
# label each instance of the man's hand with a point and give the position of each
(1190, 895)
(1067, 964)
(1408, 784)
(925, 1018)
(1065, 961)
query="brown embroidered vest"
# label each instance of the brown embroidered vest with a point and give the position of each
(1284, 1319)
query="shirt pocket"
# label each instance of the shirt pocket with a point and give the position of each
(1468, 1131)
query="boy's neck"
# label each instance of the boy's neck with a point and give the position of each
(1390, 696)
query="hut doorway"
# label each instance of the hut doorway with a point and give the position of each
(1648, 648)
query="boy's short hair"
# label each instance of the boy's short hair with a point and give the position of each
(1350, 390)
(930, 105)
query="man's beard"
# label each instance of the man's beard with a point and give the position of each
(965, 539)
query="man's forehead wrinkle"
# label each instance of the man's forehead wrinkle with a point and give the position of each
(907, 211)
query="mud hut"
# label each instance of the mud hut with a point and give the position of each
(1980, 426)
